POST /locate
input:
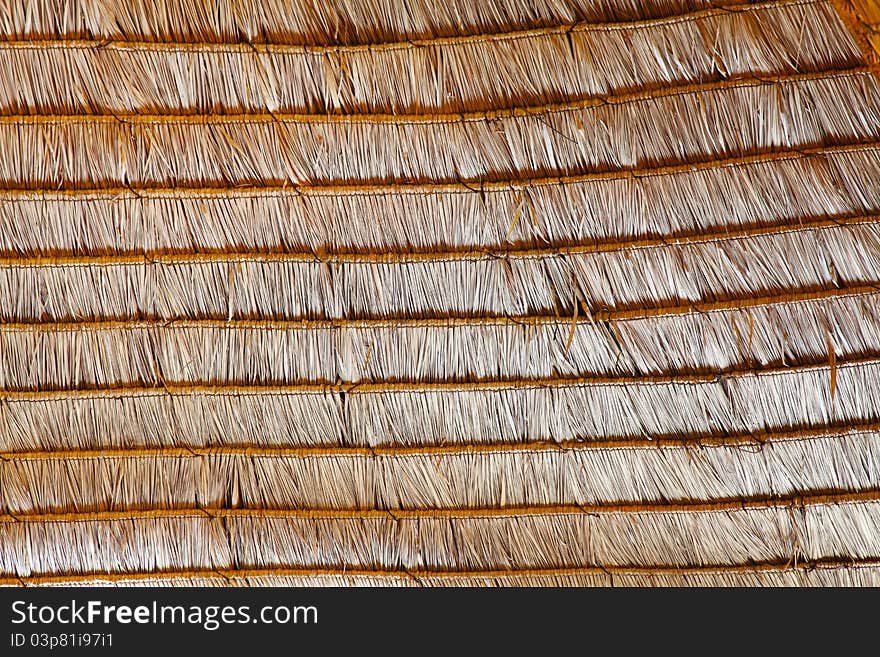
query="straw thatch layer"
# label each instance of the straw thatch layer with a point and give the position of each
(137, 353)
(489, 293)
(499, 476)
(527, 68)
(603, 138)
(613, 211)
(794, 574)
(303, 22)
(419, 414)
(660, 276)
(180, 541)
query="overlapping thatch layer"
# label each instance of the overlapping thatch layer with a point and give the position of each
(441, 293)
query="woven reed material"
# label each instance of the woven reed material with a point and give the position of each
(465, 293)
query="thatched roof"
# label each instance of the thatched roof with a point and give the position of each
(422, 292)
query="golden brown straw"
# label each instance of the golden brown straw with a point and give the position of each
(484, 293)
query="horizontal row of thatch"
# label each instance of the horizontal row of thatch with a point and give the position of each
(770, 333)
(516, 70)
(333, 22)
(600, 212)
(182, 540)
(622, 476)
(743, 118)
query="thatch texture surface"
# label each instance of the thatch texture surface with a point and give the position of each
(493, 292)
